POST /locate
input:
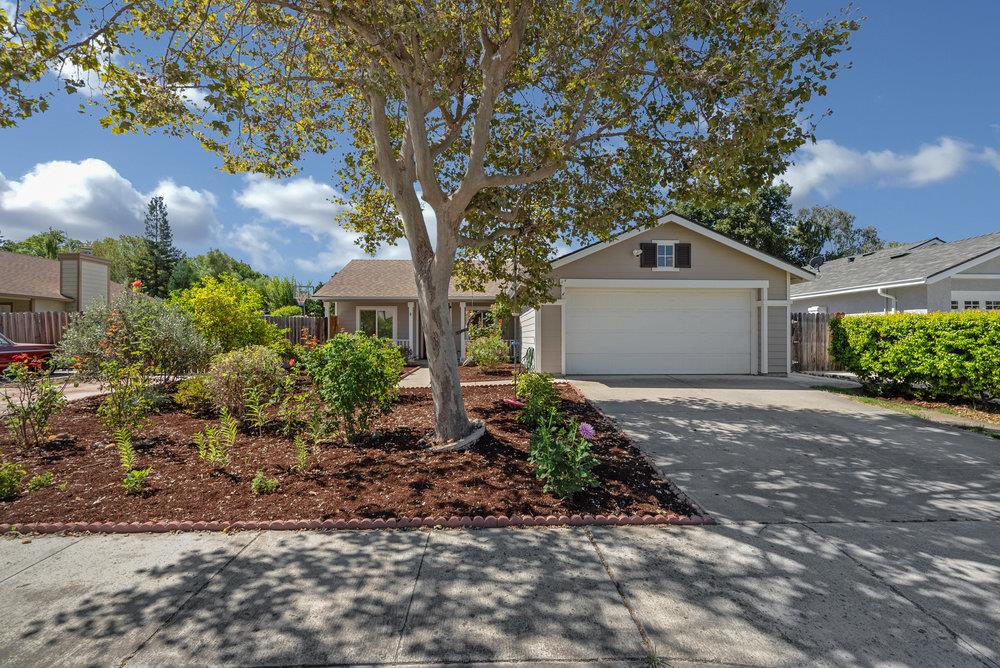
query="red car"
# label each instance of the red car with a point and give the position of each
(9, 349)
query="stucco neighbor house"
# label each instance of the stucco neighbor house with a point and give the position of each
(72, 283)
(930, 275)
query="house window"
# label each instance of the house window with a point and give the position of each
(954, 306)
(664, 255)
(971, 303)
(992, 305)
(376, 322)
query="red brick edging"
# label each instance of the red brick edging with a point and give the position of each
(404, 523)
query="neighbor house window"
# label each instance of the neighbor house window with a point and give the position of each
(991, 305)
(664, 255)
(375, 322)
(954, 306)
(971, 303)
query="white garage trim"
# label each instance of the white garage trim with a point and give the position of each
(672, 331)
(657, 283)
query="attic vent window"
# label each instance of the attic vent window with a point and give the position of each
(850, 259)
(897, 255)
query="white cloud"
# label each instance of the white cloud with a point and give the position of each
(90, 200)
(311, 207)
(992, 157)
(826, 166)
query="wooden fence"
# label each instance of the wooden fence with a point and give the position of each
(43, 327)
(294, 324)
(811, 342)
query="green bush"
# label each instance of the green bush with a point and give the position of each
(134, 329)
(10, 480)
(193, 395)
(355, 376)
(561, 456)
(41, 481)
(487, 352)
(285, 311)
(129, 401)
(261, 484)
(539, 395)
(233, 374)
(30, 402)
(228, 312)
(937, 354)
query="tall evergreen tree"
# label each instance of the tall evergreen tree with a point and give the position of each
(160, 256)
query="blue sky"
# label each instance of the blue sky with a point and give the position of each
(912, 147)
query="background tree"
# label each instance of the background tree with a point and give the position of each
(124, 252)
(830, 233)
(517, 122)
(764, 221)
(159, 257)
(44, 244)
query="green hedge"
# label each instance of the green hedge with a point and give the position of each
(937, 354)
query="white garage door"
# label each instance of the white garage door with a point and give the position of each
(657, 331)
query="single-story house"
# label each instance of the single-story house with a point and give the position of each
(931, 275)
(379, 297)
(71, 283)
(676, 298)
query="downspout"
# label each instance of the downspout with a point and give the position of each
(892, 300)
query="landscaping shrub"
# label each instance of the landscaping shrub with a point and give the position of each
(159, 337)
(128, 403)
(126, 451)
(539, 395)
(561, 455)
(356, 377)
(302, 453)
(135, 481)
(286, 311)
(233, 374)
(31, 400)
(228, 312)
(937, 354)
(10, 480)
(41, 481)
(261, 484)
(487, 352)
(194, 396)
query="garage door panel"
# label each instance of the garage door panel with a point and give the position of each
(658, 331)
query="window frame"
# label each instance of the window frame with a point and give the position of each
(673, 254)
(389, 310)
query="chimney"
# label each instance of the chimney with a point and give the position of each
(85, 279)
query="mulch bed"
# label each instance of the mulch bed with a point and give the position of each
(473, 374)
(388, 476)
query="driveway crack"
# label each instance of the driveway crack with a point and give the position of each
(954, 635)
(409, 603)
(35, 563)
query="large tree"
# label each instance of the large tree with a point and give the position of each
(518, 122)
(828, 233)
(159, 257)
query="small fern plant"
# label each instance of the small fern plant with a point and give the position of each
(255, 405)
(126, 451)
(302, 453)
(214, 443)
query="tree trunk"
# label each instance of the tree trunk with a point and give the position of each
(450, 420)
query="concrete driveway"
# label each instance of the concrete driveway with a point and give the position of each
(837, 548)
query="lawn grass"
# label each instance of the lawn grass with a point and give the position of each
(921, 409)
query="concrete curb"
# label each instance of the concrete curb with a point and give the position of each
(455, 522)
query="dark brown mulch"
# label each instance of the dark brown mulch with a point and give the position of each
(390, 475)
(472, 374)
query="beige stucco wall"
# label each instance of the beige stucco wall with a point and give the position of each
(856, 302)
(347, 315)
(49, 305)
(777, 339)
(710, 260)
(548, 336)
(16, 304)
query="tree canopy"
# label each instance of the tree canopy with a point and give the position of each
(829, 233)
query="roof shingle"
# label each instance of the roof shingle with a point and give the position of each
(29, 276)
(386, 279)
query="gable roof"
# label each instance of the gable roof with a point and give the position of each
(677, 219)
(911, 264)
(29, 277)
(386, 279)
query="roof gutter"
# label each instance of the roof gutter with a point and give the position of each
(892, 300)
(866, 288)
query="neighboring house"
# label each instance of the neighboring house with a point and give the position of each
(379, 297)
(71, 283)
(676, 298)
(931, 275)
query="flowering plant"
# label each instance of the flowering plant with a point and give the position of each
(587, 431)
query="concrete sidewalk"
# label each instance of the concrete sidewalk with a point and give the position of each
(751, 594)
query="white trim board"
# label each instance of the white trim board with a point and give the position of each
(863, 288)
(974, 277)
(657, 284)
(694, 227)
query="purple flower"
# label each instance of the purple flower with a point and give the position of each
(587, 430)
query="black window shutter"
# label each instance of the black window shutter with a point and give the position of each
(682, 256)
(648, 257)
